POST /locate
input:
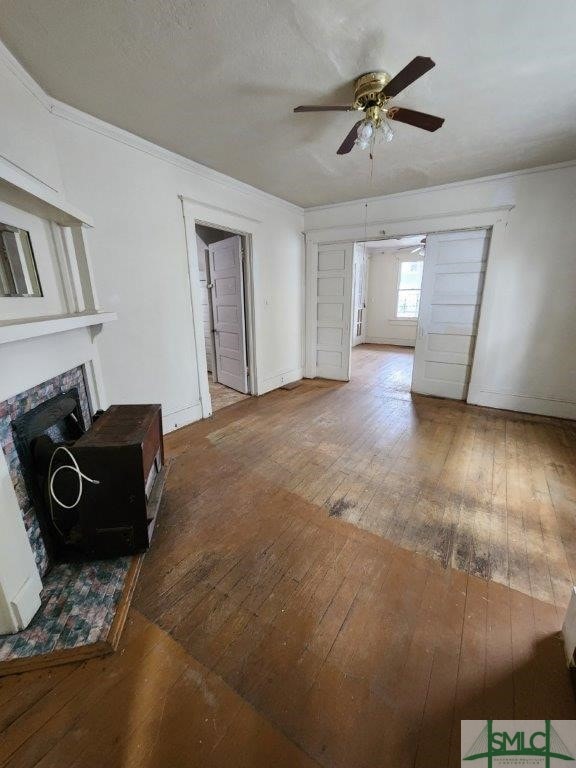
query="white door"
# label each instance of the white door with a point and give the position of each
(452, 284)
(333, 305)
(359, 311)
(202, 250)
(227, 289)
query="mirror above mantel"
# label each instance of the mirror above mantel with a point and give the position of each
(46, 280)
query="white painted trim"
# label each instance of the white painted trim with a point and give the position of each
(390, 341)
(29, 329)
(248, 278)
(495, 218)
(73, 115)
(481, 363)
(95, 383)
(19, 188)
(19, 577)
(67, 112)
(27, 176)
(219, 209)
(8, 58)
(196, 304)
(450, 221)
(448, 185)
(311, 276)
(369, 229)
(513, 401)
(213, 216)
(68, 268)
(84, 266)
(278, 380)
(27, 601)
(181, 418)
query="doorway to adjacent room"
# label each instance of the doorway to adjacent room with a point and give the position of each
(221, 258)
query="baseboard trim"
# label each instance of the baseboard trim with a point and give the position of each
(277, 381)
(560, 409)
(393, 342)
(177, 419)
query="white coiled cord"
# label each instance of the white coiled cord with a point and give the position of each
(52, 476)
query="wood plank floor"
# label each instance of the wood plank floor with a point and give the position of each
(303, 604)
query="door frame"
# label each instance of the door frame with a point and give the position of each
(195, 212)
(495, 217)
(364, 259)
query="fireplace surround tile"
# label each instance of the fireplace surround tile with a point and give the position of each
(79, 602)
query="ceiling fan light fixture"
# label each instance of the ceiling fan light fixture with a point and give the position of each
(372, 94)
(365, 134)
(387, 130)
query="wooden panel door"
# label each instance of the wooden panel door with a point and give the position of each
(227, 288)
(202, 250)
(359, 311)
(333, 301)
(452, 284)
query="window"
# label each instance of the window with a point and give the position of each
(18, 273)
(409, 282)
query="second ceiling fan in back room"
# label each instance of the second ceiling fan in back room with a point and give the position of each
(372, 94)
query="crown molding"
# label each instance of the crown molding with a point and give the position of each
(489, 209)
(73, 115)
(450, 185)
(12, 63)
(66, 112)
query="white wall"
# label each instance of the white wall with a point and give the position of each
(383, 327)
(138, 246)
(26, 137)
(140, 263)
(526, 347)
(139, 256)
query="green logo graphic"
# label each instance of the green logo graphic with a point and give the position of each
(545, 744)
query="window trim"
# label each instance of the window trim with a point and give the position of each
(413, 319)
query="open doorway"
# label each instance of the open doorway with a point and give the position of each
(439, 319)
(422, 293)
(223, 296)
(387, 278)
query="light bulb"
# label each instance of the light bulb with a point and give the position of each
(387, 131)
(365, 130)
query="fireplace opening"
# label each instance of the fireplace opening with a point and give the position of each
(57, 421)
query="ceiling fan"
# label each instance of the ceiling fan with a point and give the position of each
(372, 94)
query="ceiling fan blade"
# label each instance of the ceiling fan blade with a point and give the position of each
(307, 108)
(417, 119)
(348, 142)
(411, 72)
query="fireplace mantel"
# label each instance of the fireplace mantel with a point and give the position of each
(24, 191)
(33, 327)
(37, 348)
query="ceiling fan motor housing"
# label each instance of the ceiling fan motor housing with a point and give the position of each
(368, 89)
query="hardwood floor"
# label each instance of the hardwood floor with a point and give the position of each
(340, 574)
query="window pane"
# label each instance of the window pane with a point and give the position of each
(408, 303)
(410, 274)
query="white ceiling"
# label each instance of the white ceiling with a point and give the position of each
(216, 81)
